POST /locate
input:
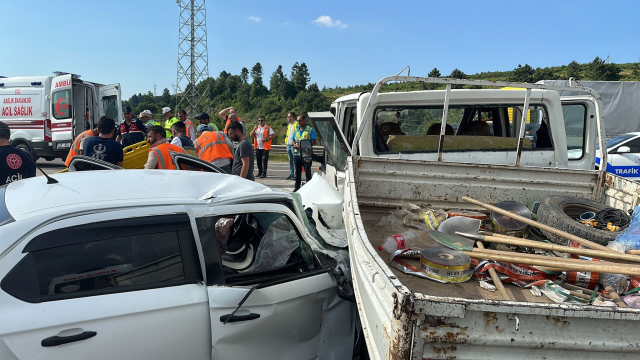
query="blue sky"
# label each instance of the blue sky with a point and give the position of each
(135, 42)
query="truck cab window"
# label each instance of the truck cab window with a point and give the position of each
(575, 117)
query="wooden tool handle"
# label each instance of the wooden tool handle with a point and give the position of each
(496, 279)
(588, 266)
(544, 227)
(575, 287)
(566, 249)
(615, 297)
(633, 252)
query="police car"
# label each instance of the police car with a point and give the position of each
(218, 267)
(623, 156)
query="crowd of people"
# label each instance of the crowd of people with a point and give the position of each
(230, 149)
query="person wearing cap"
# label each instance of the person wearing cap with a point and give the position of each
(202, 128)
(191, 130)
(170, 120)
(131, 131)
(203, 118)
(262, 135)
(214, 147)
(145, 117)
(180, 138)
(159, 153)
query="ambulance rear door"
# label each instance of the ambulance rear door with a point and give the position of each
(62, 119)
(110, 102)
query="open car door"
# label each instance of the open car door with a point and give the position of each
(86, 163)
(110, 101)
(579, 113)
(334, 143)
(192, 163)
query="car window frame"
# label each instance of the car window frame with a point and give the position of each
(215, 264)
(184, 232)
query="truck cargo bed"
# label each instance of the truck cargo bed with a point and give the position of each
(467, 290)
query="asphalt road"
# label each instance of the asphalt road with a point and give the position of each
(276, 174)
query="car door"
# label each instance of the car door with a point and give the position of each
(290, 308)
(334, 144)
(110, 102)
(188, 162)
(86, 163)
(626, 163)
(112, 285)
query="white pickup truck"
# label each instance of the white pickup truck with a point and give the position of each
(381, 154)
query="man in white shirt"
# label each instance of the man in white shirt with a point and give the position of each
(262, 135)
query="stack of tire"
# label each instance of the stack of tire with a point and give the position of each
(561, 213)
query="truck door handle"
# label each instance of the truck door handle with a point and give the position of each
(235, 318)
(59, 340)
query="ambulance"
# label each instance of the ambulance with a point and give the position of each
(45, 113)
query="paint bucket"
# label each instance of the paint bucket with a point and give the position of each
(445, 265)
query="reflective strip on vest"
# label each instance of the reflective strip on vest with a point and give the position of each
(75, 147)
(306, 134)
(215, 141)
(161, 164)
(266, 145)
(164, 158)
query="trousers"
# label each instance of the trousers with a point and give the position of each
(262, 158)
(290, 156)
(300, 164)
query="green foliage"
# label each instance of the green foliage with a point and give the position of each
(573, 70)
(522, 74)
(599, 70)
(435, 73)
(457, 74)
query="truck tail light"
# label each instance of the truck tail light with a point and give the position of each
(47, 130)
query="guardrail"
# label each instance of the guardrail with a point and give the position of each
(282, 149)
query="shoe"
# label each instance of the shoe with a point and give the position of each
(259, 175)
(289, 177)
(263, 175)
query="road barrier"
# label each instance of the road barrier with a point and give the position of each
(282, 149)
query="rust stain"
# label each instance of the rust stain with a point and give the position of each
(500, 331)
(449, 337)
(445, 352)
(490, 318)
(513, 340)
(558, 320)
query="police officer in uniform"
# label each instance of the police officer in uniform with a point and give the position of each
(15, 164)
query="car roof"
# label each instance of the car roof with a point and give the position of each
(33, 196)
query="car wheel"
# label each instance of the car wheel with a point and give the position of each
(561, 213)
(24, 147)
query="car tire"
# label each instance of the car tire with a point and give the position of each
(560, 212)
(26, 148)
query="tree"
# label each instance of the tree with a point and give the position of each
(300, 76)
(599, 70)
(166, 96)
(457, 74)
(522, 74)
(543, 74)
(573, 70)
(256, 71)
(435, 73)
(244, 75)
(134, 101)
(276, 81)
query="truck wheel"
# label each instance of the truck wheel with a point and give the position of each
(24, 147)
(560, 212)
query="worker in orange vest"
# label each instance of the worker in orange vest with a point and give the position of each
(214, 147)
(76, 147)
(191, 130)
(159, 157)
(233, 116)
(262, 135)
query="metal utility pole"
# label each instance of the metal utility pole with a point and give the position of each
(193, 60)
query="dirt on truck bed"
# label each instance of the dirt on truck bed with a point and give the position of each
(467, 290)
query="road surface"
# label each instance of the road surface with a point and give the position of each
(277, 173)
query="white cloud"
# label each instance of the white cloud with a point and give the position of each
(254, 18)
(325, 20)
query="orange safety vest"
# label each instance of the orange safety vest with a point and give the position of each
(227, 125)
(164, 158)
(75, 148)
(211, 146)
(187, 123)
(265, 133)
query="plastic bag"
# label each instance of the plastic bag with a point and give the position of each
(632, 301)
(617, 281)
(223, 231)
(390, 222)
(276, 246)
(630, 237)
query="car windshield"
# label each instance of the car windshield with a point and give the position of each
(5, 217)
(616, 141)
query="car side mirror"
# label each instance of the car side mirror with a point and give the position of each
(623, 150)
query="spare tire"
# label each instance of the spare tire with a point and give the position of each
(560, 212)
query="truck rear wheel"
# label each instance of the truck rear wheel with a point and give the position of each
(560, 212)
(26, 148)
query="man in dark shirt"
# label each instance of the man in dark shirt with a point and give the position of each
(132, 131)
(101, 146)
(243, 155)
(180, 138)
(15, 164)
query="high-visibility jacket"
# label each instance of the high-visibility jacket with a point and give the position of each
(151, 123)
(293, 129)
(75, 148)
(227, 125)
(305, 135)
(167, 125)
(211, 146)
(164, 158)
(265, 134)
(190, 129)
